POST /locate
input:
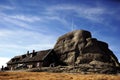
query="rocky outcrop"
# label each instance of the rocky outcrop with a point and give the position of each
(78, 48)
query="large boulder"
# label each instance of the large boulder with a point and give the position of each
(78, 48)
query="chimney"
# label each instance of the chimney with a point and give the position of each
(27, 53)
(33, 51)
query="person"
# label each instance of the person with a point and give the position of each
(2, 68)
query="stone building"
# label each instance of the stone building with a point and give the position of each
(36, 59)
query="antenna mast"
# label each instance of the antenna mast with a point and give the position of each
(72, 27)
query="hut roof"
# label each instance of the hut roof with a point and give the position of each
(14, 60)
(31, 57)
(39, 56)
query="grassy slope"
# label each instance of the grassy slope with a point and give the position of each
(54, 76)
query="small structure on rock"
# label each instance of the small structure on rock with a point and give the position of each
(77, 49)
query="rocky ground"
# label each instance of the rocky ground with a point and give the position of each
(82, 69)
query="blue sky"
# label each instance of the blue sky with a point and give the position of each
(36, 24)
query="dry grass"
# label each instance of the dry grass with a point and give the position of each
(54, 76)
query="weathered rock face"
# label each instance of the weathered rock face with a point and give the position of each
(78, 48)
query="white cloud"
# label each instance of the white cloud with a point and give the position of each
(21, 21)
(6, 7)
(26, 18)
(14, 42)
(87, 12)
(6, 19)
(25, 36)
(25, 21)
(16, 22)
(61, 7)
(93, 14)
(4, 33)
(57, 18)
(3, 61)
